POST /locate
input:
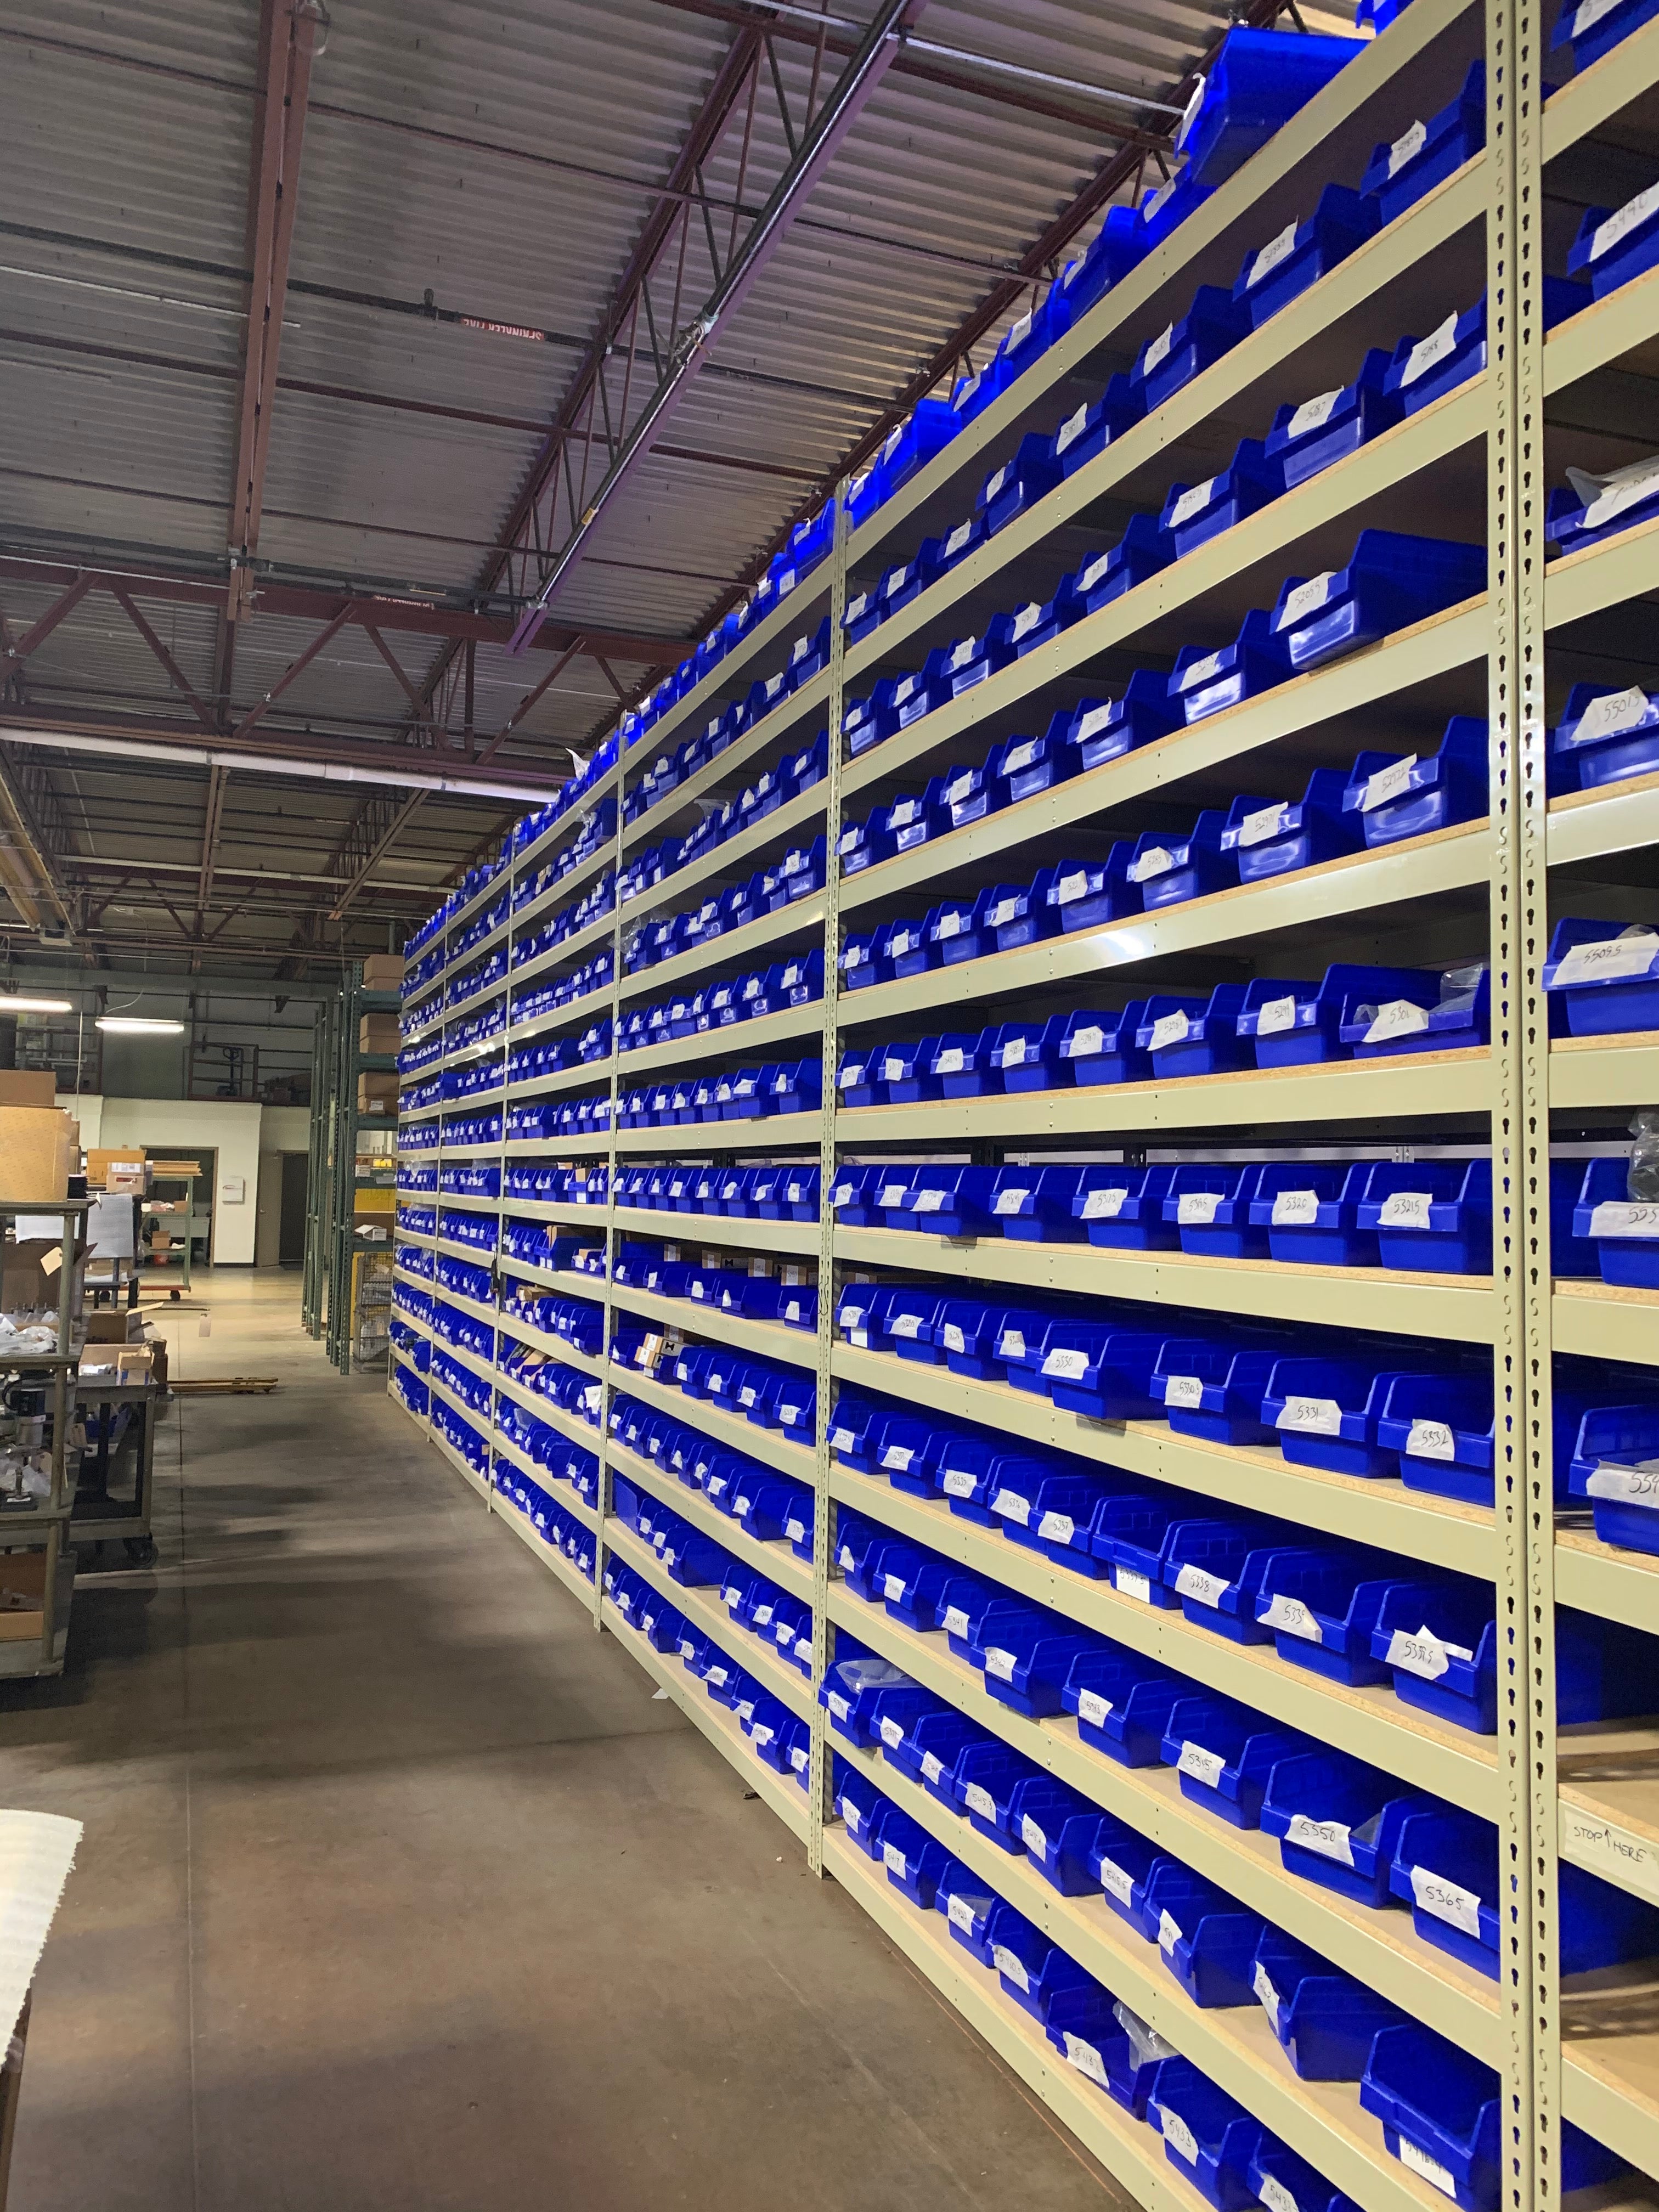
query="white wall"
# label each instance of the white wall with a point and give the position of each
(231, 1128)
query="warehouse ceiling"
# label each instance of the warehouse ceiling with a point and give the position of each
(322, 329)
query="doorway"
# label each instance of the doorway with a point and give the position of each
(291, 1241)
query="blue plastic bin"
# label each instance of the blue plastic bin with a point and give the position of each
(1195, 1036)
(1616, 1465)
(1322, 1602)
(1224, 1753)
(1310, 434)
(1325, 2019)
(1403, 170)
(1430, 1216)
(1211, 1208)
(1291, 833)
(1605, 734)
(1102, 1047)
(1212, 325)
(1608, 975)
(1338, 1822)
(1390, 581)
(1401, 795)
(1259, 80)
(1205, 681)
(1122, 1702)
(1591, 28)
(1194, 514)
(1274, 274)
(1208, 2135)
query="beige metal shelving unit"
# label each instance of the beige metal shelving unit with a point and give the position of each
(1575, 2051)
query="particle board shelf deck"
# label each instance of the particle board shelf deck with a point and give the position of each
(1612, 1071)
(1381, 1512)
(1608, 1776)
(767, 1339)
(1599, 1578)
(1605, 1320)
(1370, 1723)
(1460, 1307)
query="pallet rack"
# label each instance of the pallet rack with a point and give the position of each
(1567, 2050)
(331, 1279)
(43, 1525)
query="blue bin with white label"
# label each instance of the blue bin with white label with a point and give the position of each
(1605, 734)
(1205, 682)
(1020, 913)
(1057, 1825)
(1162, 211)
(1338, 1821)
(1444, 1660)
(1424, 370)
(1275, 274)
(1213, 1388)
(1259, 80)
(1616, 246)
(1030, 1965)
(1325, 2019)
(1441, 2114)
(1204, 1937)
(1168, 869)
(1210, 1207)
(1616, 1465)
(962, 1063)
(1443, 1428)
(1607, 974)
(1391, 581)
(1106, 1371)
(855, 1693)
(1401, 795)
(1212, 326)
(1029, 766)
(1311, 434)
(1027, 1655)
(1092, 894)
(1310, 1211)
(1083, 2025)
(943, 1202)
(862, 1807)
(1101, 1047)
(1275, 2166)
(1123, 1208)
(1402, 171)
(966, 1901)
(1322, 1602)
(1086, 434)
(1450, 1012)
(1029, 475)
(1224, 1753)
(1195, 1036)
(1291, 833)
(1027, 1055)
(1033, 1205)
(1122, 1702)
(1105, 730)
(1432, 1216)
(987, 1771)
(1213, 1564)
(913, 1860)
(1144, 549)
(1208, 2135)
(1326, 1413)
(1194, 514)
(1623, 1231)
(1592, 27)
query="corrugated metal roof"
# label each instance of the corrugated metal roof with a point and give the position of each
(475, 180)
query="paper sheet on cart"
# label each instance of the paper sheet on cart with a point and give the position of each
(37, 1850)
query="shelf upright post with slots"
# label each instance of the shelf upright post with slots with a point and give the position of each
(320, 1165)
(1420, 902)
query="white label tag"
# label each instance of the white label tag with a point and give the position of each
(1614, 713)
(1025, 622)
(1104, 1204)
(1617, 227)
(893, 1586)
(1169, 1029)
(1003, 912)
(1418, 2161)
(904, 1324)
(933, 1765)
(1618, 956)
(1086, 2059)
(958, 539)
(1093, 1707)
(1407, 147)
(1071, 429)
(956, 1621)
(999, 1662)
(1074, 886)
(839, 1705)
(961, 1914)
(1293, 1617)
(1399, 1018)
(1157, 351)
(1196, 1207)
(1032, 1836)
(1388, 783)
(1192, 501)
(949, 1061)
(898, 1457)
(1013, 1053)
(892, 1856)
(1619, 498)
(1274, 2195)
(1012, 1506)
(1329, 1838)
(1011, 1967)
(929, 1201)
(1179, 2135)
(799, 1758)
(1204, 1766)
(1446, 1900)
(1311, 1417)
(892, 1733)
(1267, 822)
(1117, 1883)
(1637, 1485)
(1431, 1440)
(1423, 1654)
(1424, 354)
(1307, 599)
(1019, 756)
(1295, 1208)
(1057, 1528)
(1262, 1982)
(1128, 1583)
(1201, 1585)
(1314, 414)
(1186, 1390)
(1068, 1363)
(1155, 861)
(954, 1339)
(1406, 1209)
(978, 1799)
(1277, 250)
(1169, 1931)
(959, 1483)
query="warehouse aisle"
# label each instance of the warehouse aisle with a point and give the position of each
(398, 1884)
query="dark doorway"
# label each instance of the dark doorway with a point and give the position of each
(291, 1237)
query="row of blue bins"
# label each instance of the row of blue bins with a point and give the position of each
(771, 1508)
(554, 1523)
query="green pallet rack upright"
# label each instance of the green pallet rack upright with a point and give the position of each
(337, 1062)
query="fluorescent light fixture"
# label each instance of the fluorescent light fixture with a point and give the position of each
(11, 1004)
(136, 1025)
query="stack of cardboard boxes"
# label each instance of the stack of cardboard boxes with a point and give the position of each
(377, 1087)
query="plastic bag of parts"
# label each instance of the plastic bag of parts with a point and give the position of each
(1642, 1183)
(1147, 2043)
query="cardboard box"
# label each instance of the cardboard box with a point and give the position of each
(22, 1595)
(383, 971)
(375, 1033)
(27, 1086)
(29, 1273)
(377, 1098)
(39, 1152)
(116, 1167)
(122, 1325)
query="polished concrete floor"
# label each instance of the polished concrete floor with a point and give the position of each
(399, 1890)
